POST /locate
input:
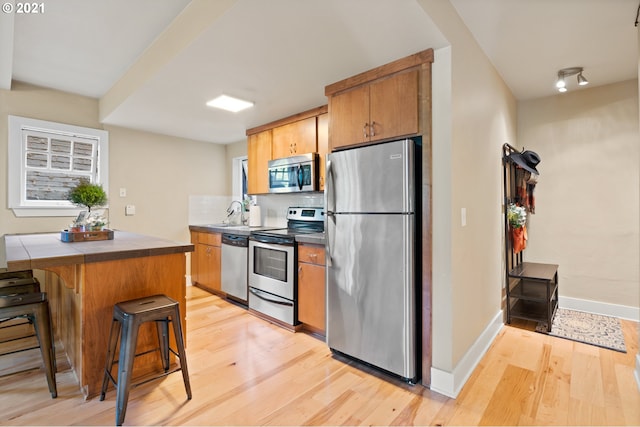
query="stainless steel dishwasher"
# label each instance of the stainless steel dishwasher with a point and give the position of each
(235, 249)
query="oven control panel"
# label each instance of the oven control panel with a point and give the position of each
(305, 214)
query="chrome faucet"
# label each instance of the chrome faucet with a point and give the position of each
(231, 211)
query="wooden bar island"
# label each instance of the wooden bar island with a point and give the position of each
(84, 280)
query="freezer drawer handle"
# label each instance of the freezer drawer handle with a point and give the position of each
(257, 293)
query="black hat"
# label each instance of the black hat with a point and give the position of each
(527, 160)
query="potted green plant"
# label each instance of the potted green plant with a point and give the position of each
(517, 217)
(89, 195)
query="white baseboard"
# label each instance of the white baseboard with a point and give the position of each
(450, 383)
(603, 308)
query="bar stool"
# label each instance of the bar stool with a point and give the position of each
(127, 318)
(36, 308)
(16, 286)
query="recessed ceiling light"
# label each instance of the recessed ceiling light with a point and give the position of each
(229, 103)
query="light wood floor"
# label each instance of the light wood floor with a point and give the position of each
(245, 371)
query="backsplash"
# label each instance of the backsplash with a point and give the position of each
(273, 207)
(208, 209)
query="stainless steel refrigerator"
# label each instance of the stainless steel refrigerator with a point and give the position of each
(372, 242)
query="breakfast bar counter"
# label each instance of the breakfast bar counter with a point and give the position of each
(84, 280)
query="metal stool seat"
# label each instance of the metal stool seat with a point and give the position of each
(23, 274)
(127, 318)
(16, 285)
(36, 307)
(11, 286)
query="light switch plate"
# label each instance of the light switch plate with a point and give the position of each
(130, 210)
(123, 192)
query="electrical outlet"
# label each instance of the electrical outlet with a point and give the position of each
(130, 210)
(123, 192)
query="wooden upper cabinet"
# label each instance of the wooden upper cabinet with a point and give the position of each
(379, 110)
(391, 101)
(394, 106)
(349, 117)
(302, 133)
(259, 154)
(294, 138)
(323, 147)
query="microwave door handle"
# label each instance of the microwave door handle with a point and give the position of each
(300, 176)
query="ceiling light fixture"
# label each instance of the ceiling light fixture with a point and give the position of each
(229, 103)
(567, 72)
(581, 80)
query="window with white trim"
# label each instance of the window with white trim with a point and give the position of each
(47, 159)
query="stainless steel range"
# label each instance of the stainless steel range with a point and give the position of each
(273, 284)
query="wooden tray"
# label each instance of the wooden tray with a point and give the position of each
(85, 236)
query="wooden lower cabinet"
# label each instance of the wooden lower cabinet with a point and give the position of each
(311, 288)
(206, 261)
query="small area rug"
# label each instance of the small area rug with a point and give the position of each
(589, 328)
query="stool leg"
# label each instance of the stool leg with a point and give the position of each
(163, 341)
(43, 332)
(177, 330)
(114, 334)
(125, 366)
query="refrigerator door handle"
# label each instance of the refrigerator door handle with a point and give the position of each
(330, 214)
(329, 190)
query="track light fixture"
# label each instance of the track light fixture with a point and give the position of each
(567, 72)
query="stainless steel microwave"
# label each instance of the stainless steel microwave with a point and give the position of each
(294, 174)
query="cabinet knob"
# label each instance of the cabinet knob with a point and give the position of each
(364, 130)
(373, 129)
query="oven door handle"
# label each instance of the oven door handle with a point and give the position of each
(258, 293)
(270, 241)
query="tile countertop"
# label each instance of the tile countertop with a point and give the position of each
(41, 250)
(244, 230)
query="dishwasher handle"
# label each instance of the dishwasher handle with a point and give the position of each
(235, 240)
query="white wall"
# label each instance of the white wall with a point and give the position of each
(158, 173)
(472, 119)
(156, 170)
(588, 194)
(637, 371)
